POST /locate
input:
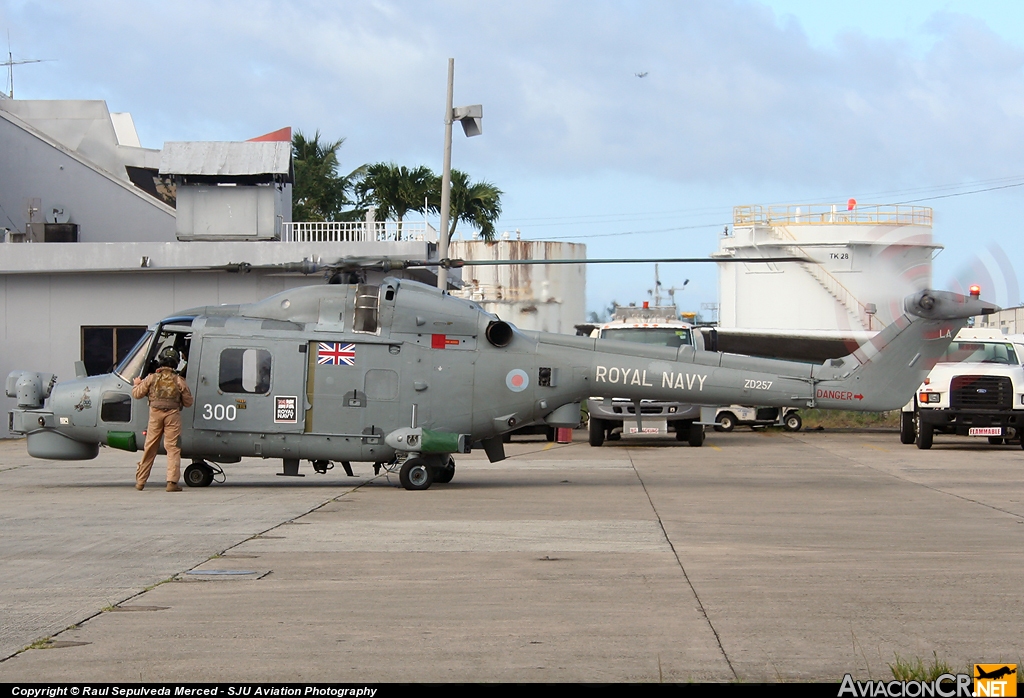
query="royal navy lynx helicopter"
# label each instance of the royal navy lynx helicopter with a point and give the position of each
(404, 376)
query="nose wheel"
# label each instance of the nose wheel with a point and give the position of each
(200, 474)
(416, 474)
(420, 472)
(445, 473)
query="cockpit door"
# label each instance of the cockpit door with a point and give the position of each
(251, 385)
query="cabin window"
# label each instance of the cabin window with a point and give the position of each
(245, 371)
(116, 407)
(105, 347)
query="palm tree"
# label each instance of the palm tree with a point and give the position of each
(395, 191)
(319, 193)
(476, 203)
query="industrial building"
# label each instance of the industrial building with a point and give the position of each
(94, 250)
(1007, 320)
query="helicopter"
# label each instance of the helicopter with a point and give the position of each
(405, 376)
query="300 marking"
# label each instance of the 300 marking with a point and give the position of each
(220, 412)
(751, 384)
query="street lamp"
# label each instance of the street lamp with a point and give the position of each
(471, 119)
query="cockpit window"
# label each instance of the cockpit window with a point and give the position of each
(658, 336)
(131, 367)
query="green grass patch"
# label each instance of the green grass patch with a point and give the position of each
(841, 419)
(916, 670)
(40, 644)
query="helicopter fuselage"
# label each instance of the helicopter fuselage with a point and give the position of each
(348, 372)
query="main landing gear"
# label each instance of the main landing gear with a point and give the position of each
(201, 474)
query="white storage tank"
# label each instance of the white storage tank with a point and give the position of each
(867, 259)
(542, 297)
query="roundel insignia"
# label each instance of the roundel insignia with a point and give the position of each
(517, 381)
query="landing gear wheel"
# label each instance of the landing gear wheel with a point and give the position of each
(446, 472)
(726, 422)
(198, 475)
(995, 440)
(924, 435)
(906, 427)
(792, 422)
(597, 427)
(696, 437)
(416, 474)
(550, 434)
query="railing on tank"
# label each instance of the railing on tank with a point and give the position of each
(357, 231)
(818, 214)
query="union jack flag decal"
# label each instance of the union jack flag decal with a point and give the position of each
(335, 354)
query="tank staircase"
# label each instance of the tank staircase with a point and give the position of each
(857, 311)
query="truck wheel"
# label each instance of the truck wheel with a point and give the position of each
(682, 430)
(726, 422)
(924, 436)
(696, 436)
(995, 440)
(907, 427)
(792, 422)
(597, 428)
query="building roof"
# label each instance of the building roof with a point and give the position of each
(231, 159)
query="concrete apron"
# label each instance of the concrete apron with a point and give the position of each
(758, 557)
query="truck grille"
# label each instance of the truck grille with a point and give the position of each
(644, 409)
(981, 392)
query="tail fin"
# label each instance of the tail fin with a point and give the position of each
(883, 373)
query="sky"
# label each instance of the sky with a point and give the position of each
(743, 102)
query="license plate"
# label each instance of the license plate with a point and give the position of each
(651, 427)
(985, 431)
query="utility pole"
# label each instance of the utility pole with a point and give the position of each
(471, 118)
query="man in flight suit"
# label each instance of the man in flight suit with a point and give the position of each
(167, 393)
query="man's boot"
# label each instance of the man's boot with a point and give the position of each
(173, 487)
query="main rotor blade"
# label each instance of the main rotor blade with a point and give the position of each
(456, 263)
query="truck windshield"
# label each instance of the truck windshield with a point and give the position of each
(981, 352)
(131, 367)
(660, 336)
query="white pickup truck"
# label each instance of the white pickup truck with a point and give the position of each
(976, 389)
(613, 418)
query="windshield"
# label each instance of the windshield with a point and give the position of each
(131, 367)
(981, 352)
(660, 336)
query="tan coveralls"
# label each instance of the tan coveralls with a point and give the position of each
(164, 420)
